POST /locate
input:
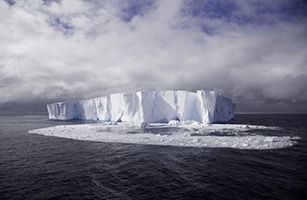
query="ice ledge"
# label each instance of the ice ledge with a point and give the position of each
(182, 134)
(148, 107)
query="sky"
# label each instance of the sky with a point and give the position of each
(254, 52)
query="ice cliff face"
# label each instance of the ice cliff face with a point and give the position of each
(148, 106)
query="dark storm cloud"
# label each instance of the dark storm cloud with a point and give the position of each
(253, 51)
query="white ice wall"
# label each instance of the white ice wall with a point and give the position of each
(148, 106)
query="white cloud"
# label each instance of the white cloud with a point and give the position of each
(64, 50)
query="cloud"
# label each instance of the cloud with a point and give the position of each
(254, 52)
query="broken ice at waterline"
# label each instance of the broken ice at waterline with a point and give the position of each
(174, 133)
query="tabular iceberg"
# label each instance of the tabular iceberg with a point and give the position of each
(148, 107)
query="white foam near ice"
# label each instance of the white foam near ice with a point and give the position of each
(183, 136)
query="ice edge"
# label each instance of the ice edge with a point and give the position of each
(102, 133)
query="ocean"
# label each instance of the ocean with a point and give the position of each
(40, 167)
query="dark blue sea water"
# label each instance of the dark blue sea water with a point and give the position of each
(39, 167)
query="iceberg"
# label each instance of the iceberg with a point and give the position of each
(202, 106)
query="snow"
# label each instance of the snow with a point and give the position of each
(148, 106)
(175, 133)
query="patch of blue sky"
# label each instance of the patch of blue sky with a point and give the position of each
(132, 8)
(261, 11)
(61, 25)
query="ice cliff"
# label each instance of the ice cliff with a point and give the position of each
(148, 106)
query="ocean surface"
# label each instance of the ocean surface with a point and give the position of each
(40, 167)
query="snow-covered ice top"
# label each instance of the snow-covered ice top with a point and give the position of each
(148, 107)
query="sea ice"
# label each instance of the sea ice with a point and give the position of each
(148, 106)
(191, 134)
